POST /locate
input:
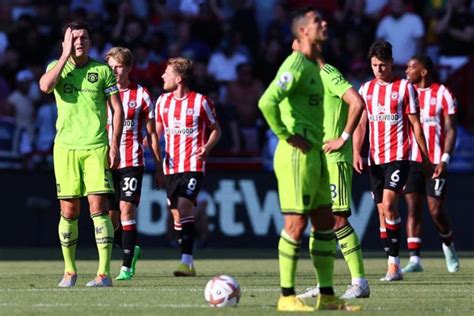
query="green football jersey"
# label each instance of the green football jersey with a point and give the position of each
(335, 111)
(81, 97)
(293, 102)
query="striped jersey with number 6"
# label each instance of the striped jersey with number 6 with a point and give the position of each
(137, 108)
(436, 102)
(185, 123)
(388, 106)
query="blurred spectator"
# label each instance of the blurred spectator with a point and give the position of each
(45, 132)
(145, 71)
(404, 30)
(3, 43)
(456, 31)
(94, 8)
(262, 8)
(190, 8)
(191, 47)
(374, 7)
(354, 19)
(268, 151)
(244, 94)
(223, 62)
(100, 45)
(271, 56)
(9, 155)
(22, 103)
(230, 142)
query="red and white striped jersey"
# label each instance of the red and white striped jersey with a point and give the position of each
(436, 102)
(388, 106)
(185, 123)
(137, 108)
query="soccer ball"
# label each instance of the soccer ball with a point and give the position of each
(222, 291)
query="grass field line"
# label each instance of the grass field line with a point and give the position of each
(200, 306)
(134, 289)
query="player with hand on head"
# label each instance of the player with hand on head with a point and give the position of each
(82, 156)
(391, 109)
(139, 112)
(438, 109)
(188, 121)
(293, 108)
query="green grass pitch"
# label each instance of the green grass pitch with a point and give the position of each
(28, 287)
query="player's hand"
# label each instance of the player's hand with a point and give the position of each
(333, 145)
(358, 163)
(114, 158)
(439, 171)
(159, 177)
(67, 43)
(201, 153)
(299, 142)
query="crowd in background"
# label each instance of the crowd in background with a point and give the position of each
(236, 45)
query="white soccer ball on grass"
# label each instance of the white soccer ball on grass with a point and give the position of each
(222, 291)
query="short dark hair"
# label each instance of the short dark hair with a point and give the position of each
(426, 61)
(381, 50)
(78, 25)
(297, 16)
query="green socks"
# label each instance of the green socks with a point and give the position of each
(288, 252)
(322, 249)
(68, 234)
(104, 237)
(350, 248)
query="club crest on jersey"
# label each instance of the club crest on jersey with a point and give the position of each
(132, 104)
(433, 101)
(284, 80)
(394, 95)
(190, 112)
(92, 77)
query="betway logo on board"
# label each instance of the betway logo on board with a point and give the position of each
(223, 204)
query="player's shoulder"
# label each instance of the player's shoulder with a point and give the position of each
(329, 69)
(368, 83)
(294, 62)
(97, 63)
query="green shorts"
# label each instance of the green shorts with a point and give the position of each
(303, 180)
(81, 172)
(340, 179)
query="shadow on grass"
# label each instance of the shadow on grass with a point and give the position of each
(172, 254)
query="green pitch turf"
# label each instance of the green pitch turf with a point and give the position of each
(28, 287)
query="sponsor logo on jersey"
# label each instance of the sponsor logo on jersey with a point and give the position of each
(92, 77)
(132, 104)
(433, 101)
(284, 80)
(394, 95)
(190, 112)
(186, 131)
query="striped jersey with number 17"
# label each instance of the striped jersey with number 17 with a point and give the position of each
(436, 102)
(137, 108)
(388, 106)
(185, 122)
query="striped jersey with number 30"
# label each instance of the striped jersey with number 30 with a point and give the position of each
(138, 108)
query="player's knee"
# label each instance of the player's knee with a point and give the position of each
(340, 221)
